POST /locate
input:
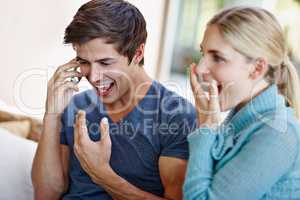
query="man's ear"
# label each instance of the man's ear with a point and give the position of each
(139, 54)
(74, 46)
(260, 68)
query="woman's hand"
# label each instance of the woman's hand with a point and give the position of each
(59, 90)
(207, 103)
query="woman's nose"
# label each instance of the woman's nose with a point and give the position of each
(203, 70)
(202, 67)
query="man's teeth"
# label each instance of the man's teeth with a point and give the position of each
(105, 85)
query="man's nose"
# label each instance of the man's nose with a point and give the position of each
(96, 74)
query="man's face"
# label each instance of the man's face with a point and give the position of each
(106, 70)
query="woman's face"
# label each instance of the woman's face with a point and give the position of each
(227, 66)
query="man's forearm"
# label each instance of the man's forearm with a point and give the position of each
(119, 188)
(47, 169)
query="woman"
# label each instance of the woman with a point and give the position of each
(254, 153)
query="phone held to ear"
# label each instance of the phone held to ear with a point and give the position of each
(75, 79)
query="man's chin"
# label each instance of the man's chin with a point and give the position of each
(107, 99)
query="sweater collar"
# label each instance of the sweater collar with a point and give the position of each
(268, 101)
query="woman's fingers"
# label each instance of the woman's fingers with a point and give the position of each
(213, 95)
(206, 96)
(214, 103)
(198, 92)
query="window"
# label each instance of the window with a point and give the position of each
(185, 25)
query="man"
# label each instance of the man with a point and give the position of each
(129, 137)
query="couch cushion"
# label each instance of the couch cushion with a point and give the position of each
(16, 157)
(19, 128)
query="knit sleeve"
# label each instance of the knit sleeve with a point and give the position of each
(260, 163)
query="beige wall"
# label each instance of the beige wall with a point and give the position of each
(31, 46)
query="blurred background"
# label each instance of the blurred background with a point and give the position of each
(188, 29)
(32, 42)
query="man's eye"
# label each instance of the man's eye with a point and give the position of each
(105, 64)
(81, 62)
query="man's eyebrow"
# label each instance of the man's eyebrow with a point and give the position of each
(78, 58)
(105, 60)
(100, 60)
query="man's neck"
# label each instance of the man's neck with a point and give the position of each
(139, 88)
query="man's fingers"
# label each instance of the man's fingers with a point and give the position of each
(76, 136)
(71, 64)
(68, 74)
(82, 123)
(63, 86)
(104, 128)
(81, 132)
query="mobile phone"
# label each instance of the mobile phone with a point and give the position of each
(75, 79)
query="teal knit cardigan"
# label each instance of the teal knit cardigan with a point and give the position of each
(254, 154)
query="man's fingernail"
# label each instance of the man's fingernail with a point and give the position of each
(104, 120)
(81, 113)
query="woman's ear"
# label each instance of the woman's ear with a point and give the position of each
(260, 68)
(139, 54)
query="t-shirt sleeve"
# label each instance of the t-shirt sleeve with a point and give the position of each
(174, 138)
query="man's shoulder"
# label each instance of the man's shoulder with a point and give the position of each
(173, 104)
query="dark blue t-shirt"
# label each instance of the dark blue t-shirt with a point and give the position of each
(157, 126)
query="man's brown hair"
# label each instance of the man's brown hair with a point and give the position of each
(118, 21)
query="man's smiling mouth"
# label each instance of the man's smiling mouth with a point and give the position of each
(105, 87)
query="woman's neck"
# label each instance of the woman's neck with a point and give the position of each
(258, 89)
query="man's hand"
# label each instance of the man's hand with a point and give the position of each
(59, 89)
(93, 156)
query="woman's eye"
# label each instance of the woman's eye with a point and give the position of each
(217, 58)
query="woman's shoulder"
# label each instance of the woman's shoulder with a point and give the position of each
(281, 129)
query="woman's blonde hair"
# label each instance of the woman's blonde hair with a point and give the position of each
(255, 33)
